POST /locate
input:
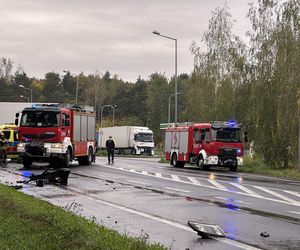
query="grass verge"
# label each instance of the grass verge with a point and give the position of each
(257, 166)
(29, 223)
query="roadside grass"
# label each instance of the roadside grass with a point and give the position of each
(257, 166)
(29, 223)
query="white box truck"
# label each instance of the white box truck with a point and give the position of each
(129, 139)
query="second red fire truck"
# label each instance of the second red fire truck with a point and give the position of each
(205, 144)
(56, 134)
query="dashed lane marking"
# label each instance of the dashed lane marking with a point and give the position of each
(139, 182)
(177, 189)
(194, 181)
(158, 175)
(246, 190)
(294, 202)
(175, 177)
(292, 192)
(294, 212)
(217, 184)
(232, 200)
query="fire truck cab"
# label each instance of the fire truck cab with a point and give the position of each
(205, 144)
(56, 133)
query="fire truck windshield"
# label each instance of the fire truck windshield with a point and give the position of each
(40, 119)
(144, 137)
(226, 134)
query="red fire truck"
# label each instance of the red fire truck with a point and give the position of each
(205, 144)
(56, 133)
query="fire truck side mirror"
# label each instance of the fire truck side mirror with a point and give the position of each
(245, 136)
(17, 119)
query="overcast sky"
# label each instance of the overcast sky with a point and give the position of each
(97, 35)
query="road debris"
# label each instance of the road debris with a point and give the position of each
(206, 231)
(51, 175)
(264, 234)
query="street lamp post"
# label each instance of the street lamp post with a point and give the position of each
(113, 108)
(22, 86)
(169, 108)
(148, 121)
(101, 133)
(76, 98)
(25, 97)
(174, 39)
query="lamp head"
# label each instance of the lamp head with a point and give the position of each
(156, 32)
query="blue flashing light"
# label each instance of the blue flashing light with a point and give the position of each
(231, 123)
(239, 151)
(33, 106)
(26, 173)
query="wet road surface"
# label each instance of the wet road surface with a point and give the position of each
(144, 198)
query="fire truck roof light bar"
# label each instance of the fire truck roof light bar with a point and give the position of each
(63, 105)
(230, 123)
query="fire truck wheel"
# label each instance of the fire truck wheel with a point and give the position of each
(133, 151)
(27, 162)
(67, 159)
(233, 168)
(86, 160)
(90, 156)
(175, 162)
(200, 163)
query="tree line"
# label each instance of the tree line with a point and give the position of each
(256, 83)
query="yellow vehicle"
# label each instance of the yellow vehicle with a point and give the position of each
(11, 135)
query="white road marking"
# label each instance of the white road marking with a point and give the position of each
(246, 190)
(177, 189)
(278, 195)
(194, 181)
(175, 177)
(223, 198)
(165, 221)
(139, 182)
(294, 212)
(158, 175)
(221, 187)
(292, 192)
(217, 184)
(145, 172)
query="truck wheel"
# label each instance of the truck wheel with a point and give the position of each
(67, 159)
(175, 162)
(233, 167)
(200, 163)
(27, 162)
(133, 151)
(86, 160)
(90, 156)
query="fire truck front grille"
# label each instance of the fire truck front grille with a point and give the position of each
(228, 151)
(35, 148)
(39, 136)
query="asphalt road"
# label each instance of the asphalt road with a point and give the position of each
(143, 198)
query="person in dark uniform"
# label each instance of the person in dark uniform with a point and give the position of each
(3, 149)
(110, 147)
